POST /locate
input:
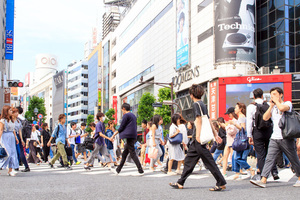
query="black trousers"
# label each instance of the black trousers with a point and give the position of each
(261, 143)
(46, 151)
(129, 149)
(195, 152)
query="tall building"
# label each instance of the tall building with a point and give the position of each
(77, 86)
(95, 80)
(278, 34)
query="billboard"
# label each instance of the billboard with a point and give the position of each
(9, 31)
(213, 97)
(115, 106)
(182, 33)
(235, 31)
(58, 96)
(14, 91)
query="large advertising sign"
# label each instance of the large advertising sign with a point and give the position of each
(58, 96)
(9, 31)
(213, 108)
(235, 31)
(182, 30)
(115, 106)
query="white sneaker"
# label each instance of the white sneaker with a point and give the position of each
(138, 174)
(178, 172)
(171, 173)
(297, 184)
(11, 174)
(114, 171)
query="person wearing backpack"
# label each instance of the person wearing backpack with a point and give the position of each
(72, 135)
(277, 142)
(60, 133)
(259, 131)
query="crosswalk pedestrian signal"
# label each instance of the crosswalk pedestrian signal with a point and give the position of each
(15, 84)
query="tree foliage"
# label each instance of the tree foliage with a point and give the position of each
(89, 120)
(39, 103)
(109, 115)
(165, 110)
(145, 109)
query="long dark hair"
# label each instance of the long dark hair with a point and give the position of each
(4, 113)
(155, 120)
(242, 106)
(175, 118)
(216, 125)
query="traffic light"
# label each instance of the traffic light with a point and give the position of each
(15, 84)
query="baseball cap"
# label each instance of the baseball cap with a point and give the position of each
(230, 110)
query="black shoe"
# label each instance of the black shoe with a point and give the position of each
(60, 166)
(68, 167)
(17, 169)
(26, 170)
(164, 170)
(275, 176)
(51, 166)
(87, 168)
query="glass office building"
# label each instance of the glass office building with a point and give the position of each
(278, 34)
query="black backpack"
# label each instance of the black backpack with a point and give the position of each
(56, 135)
(258, 121)
(26, 129)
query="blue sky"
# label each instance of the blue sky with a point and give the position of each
(59, 27)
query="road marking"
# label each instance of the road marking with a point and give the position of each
(285, 175)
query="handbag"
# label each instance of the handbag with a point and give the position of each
(89, 143)
(153, 153)
(206, 131)
(240, 142)
(177, 139)
(290, 125)
(3, 153)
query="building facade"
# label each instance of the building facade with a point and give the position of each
(77, 89)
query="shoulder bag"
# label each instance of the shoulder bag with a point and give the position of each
(177, 139)
(3, 153)
(290, 125)
(240, 142)
(206, 131)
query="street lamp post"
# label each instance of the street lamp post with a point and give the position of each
(167, 85)
(35, 110)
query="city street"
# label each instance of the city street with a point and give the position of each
(99, 183)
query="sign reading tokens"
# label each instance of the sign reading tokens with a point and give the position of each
(40, 116)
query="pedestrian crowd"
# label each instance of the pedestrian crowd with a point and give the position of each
(220, 146)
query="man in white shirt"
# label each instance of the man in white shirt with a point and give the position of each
(258, 134)
(277, 143)
(80, 147)
(72, 135)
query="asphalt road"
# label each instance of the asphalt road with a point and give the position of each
(99, 183)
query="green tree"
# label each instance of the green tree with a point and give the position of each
(109, 115)
(39, 103)
(89, 120)
(145, 109)
(165, 110)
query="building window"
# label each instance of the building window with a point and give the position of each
(114, 74)
(203, 4)
(114, 58)
(114, 42)
(114, 90)
(206, 34)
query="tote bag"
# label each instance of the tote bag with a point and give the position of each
(153, 153)
(206, 131)
(240, 142)
(290, 125)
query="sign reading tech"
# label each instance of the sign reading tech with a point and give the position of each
(9, 32)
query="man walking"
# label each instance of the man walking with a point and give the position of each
(60, 133)
(128, 131)
(260, 131)
(277, 143)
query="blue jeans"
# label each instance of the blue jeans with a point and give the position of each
(286, 160)
(239, 160)
(217, 154)
(112, 154)
(22, 155)
(73, 153)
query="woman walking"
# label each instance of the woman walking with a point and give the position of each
(196, 150)
(8, 140)
(32, 143)
(175, 150)
(110, 147)
(45, 137)
(239, 160)
(155, 140)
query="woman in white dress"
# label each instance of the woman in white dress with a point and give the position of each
(175, 150)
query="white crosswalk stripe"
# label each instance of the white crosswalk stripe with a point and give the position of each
(130, 170)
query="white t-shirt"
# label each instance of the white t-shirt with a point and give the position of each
(81, 138)
(71, 132)
(183, 130)
(276, 116)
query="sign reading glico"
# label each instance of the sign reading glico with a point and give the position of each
(184, 76)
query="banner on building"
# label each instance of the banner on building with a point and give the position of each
(58, 96)
(14, 91)
(183, 32)
(7, 95)
(115, 106)
(235, 31)
(9, 31)
(213, 95)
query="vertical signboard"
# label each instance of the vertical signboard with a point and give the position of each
(213, 95)
(235, 31)
(7, 95)
(9, 31)
(182, 30)
(115, 106)
(58, 96)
